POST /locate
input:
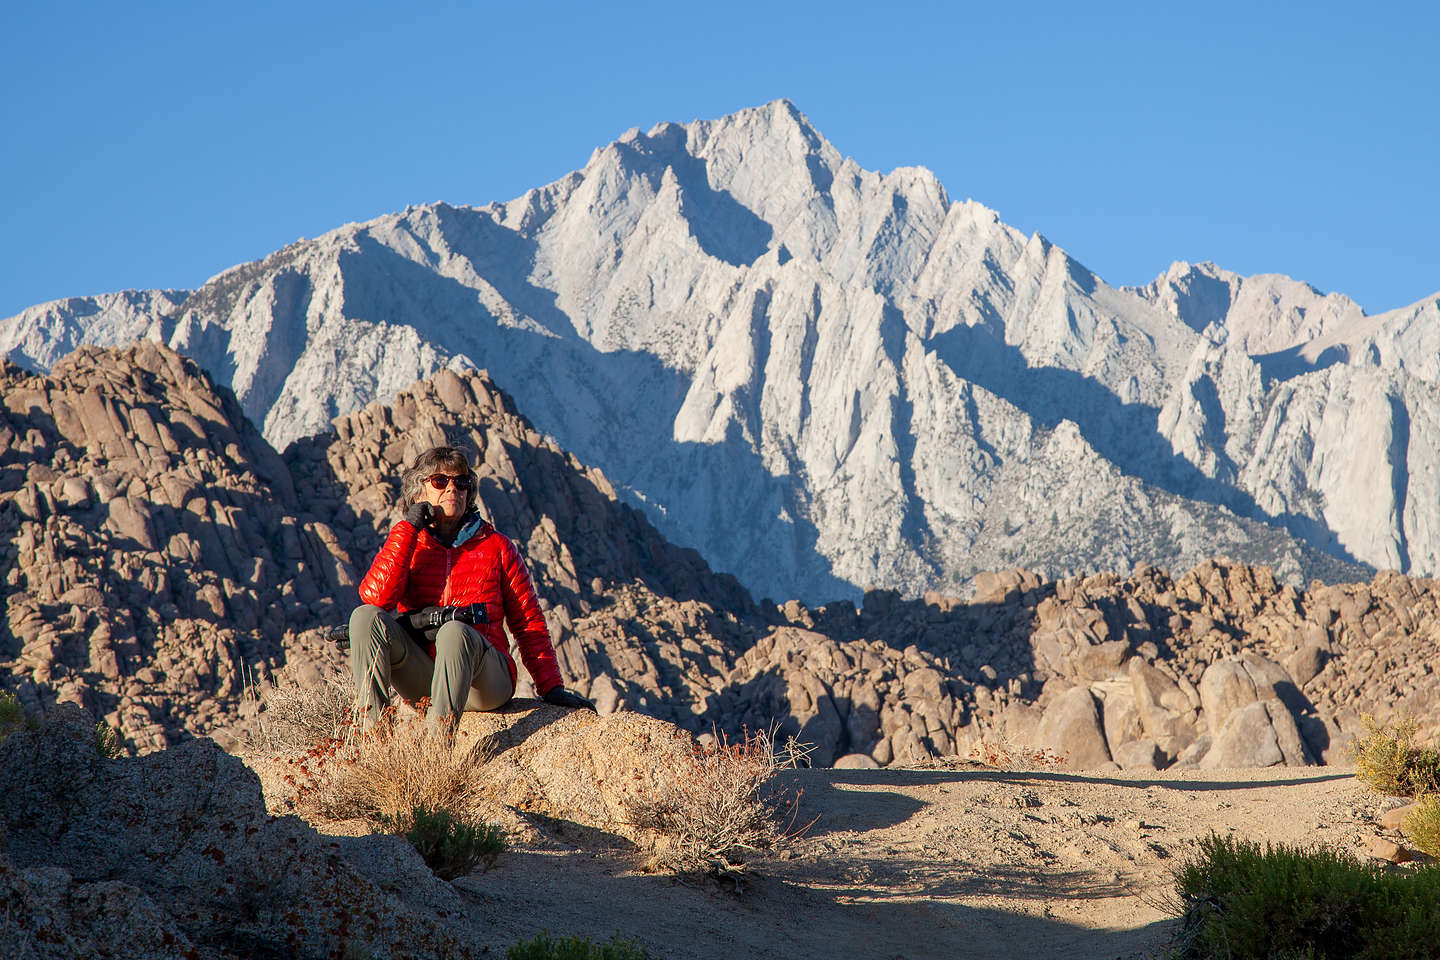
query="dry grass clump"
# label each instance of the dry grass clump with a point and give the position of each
(1422, 825)
(384, 773)
(1388, 760)
(545, 947)
(297, 716)
(717, 811)
(1003, 754)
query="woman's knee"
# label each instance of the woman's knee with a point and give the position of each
(457, 640)
(363, 618)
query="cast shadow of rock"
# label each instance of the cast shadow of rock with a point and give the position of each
(583, 835)
(844, 810)
(901, 907)
(974, 772)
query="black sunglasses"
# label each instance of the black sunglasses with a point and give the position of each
(442, 480)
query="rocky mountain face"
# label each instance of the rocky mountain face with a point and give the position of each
(827, 379)
(157, 554)
(40, 336)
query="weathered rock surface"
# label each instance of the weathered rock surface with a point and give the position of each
(174, 854)
(575, 768)
(153, 560)
(1071, 729)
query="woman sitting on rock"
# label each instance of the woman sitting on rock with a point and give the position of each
(435, 598)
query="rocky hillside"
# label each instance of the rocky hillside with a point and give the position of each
(897, 390)
(153, 559)
(157, 554)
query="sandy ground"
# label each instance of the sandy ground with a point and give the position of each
(953, 861)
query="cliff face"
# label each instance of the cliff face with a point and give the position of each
(826, 379)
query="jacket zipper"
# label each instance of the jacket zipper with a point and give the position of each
(449, 562)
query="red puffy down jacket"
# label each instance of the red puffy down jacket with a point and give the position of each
(414, 570)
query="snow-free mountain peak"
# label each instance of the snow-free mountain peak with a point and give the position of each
(827, 378)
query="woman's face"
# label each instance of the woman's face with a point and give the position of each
(447, 500)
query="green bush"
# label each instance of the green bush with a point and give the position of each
(543, 947)
(1388, 760)
(107, 741)
(452, 846)
(1422, 825)
(13, 717)
(1237, 900)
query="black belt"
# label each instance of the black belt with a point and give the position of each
(422, 624)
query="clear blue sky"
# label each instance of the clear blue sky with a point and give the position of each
(155, 144)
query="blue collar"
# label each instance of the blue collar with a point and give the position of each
(472, 525)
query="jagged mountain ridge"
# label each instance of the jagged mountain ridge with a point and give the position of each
(734, 321)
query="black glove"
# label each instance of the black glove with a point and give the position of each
(561, 697)
(420, 515)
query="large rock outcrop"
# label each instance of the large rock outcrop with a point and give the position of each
(153, 556)
(173, 854)
(146, 577)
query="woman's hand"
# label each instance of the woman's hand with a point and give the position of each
(560, 697)
(420, 515)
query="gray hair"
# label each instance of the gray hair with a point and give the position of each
(430, 462)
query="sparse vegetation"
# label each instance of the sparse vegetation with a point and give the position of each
(13, 717)
(717, 812)
(107, 741)
(295, 716)
(451, 844)
(545, 947)
(384, 774)
(1239, 900)
(1388, 760)
(1002, 754)
(1422, 825)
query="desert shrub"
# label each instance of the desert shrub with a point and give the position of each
(1003, 754)
(12, 715)
(451, 845)
(716, 811)
(383, 774)
(544, 947)
(295, 716)
(1422, 825)
(1388, 760)
(14, 718)
(1239, 900)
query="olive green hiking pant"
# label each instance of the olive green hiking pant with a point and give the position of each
(466, 674)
